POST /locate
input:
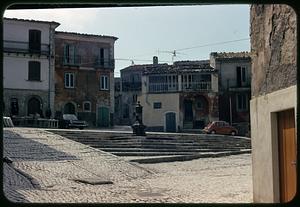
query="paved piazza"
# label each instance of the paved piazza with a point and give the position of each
(50, 168)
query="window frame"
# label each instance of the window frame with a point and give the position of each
(90, 106)
(104, 83)
(157, 105)
(68, 85)
(31, 73)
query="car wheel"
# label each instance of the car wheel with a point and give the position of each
(213, 132)
(233, 133)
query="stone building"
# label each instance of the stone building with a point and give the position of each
(234, 70)
(84, 75)
(28, 67)
(179, 96)
(273, 102)
(131, 87)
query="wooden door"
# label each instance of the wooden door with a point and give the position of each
(188, 110)
(171, 122)
(103, 117)
(287, 154)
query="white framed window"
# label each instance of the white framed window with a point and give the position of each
(104, 82)
(69, 80)
(86, 106)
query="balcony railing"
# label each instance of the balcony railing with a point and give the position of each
(104, 63)
(166, 87)
(163, 87)
(23, 47)
(196, 86)
(72, 60)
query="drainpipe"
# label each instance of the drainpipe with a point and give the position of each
(230, 108)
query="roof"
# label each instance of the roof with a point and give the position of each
(87, 35)
(177, 67)
(31, 20)
(229, 55)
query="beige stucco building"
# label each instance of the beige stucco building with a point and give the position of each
(273, 103)
(179, 96)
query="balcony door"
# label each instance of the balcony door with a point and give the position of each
(34, 41)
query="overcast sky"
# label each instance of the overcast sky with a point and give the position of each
(148, 31)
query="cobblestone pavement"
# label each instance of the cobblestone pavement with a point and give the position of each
(47, 168)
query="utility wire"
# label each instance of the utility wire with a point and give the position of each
(217, 43)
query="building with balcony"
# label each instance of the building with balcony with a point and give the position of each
(84, 74)
(180, 96)
(28, 67)
(234, 70)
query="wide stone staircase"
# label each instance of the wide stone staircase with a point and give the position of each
(160, 147)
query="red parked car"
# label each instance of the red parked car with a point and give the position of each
(220, 127)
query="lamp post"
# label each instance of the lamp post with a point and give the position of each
(138, 127)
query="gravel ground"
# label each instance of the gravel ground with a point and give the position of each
(46, 167)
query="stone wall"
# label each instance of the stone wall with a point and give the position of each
(273, 48)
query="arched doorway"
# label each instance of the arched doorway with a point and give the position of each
(34, 106)
(69, 108)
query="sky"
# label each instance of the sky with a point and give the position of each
(143, 32)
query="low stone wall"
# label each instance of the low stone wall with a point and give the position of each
(35, 122)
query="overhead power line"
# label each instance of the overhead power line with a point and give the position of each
(217, 43)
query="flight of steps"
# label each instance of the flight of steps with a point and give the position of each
(161, 145)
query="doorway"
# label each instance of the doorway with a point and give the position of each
(188, 110)
(170, 122)
(287, 154)
(103, 117)
(34, 106)
(69, 108)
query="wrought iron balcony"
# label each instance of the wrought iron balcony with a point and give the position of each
(72, 60)
(104, 63)
(25, 47)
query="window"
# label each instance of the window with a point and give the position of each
(163, 83)
(242, 102)
(34, 71)
(87, 106)
(103, 57)
(104, 82)
(34, 40)
(157, 105)
(241, 76)
(14, 106)
(134, 98)
(69, 80)
(70, 54)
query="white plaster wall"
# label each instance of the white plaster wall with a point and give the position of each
(19, 30)
(156, 117)
(264, 142)
(15, 73)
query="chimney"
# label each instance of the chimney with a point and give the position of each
(155, 60)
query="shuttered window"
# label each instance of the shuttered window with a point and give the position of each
(34, 40)
(34, 71)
